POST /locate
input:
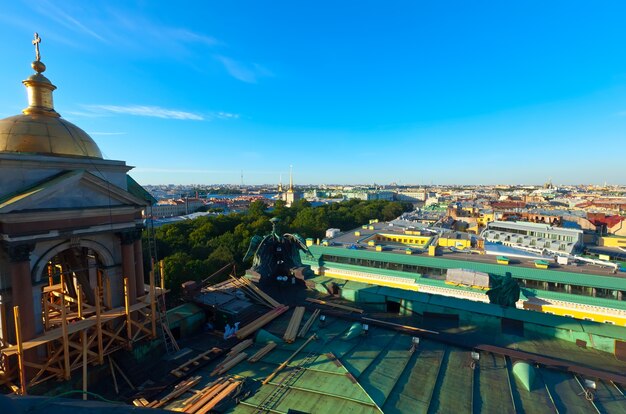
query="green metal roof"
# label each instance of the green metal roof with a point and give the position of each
(580, 279)
(376, 373)
(138, 191)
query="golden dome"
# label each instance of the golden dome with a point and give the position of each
(41, 134)
(40, 130)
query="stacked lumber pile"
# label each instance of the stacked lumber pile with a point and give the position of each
(183, 369)
(234, 357)
(309, 323)
(257, 324)
(254, 292)
(228, 363)
(213, 394)
(180, 388)
(240, 347)
(294, 324)
(262, 352)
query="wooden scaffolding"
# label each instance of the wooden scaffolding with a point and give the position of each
(76, 334)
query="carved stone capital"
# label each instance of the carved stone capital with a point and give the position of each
(127, 237)
(18, 252)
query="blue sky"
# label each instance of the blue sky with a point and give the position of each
(412, 92)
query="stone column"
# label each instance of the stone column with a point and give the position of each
(139, 264)
(127, 240)
(22, 287)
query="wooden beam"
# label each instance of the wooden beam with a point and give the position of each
(162, 273)
(397, 325)
(117, 390)
(20, 349)
(83, 335)
(129, 325)
(130, 384)
(66, 344)
(262, 352)
(152, 304)
(99, 327)
(79, 298)
(334, 305)
(260, 322)
(292, 356)
(219, 397)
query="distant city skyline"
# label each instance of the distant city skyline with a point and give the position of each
(355, 93)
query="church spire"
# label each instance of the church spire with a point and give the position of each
(291, 178)
(280, 184)
(39, 87)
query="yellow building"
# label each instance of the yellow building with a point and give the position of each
(612, 241)
(455, 239)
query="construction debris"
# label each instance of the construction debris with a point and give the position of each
(294, 324)
(178, 390)
(181, 370)
(309, 323)
(212, 395)
(240, 347)
(255, 292)
(229, 363)
(262, 352)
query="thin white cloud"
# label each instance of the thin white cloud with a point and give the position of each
(249, 73)
(108, 133)
(142, 110)
(60, 16)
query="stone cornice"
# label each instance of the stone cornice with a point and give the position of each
(46, 215)
(65, 163)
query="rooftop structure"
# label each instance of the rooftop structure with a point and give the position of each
(535, 235)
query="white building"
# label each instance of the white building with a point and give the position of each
(536, 235)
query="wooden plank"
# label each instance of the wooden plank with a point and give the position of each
(219, 398)
(207, 395)
(259, 292)
(66, 345)
(152, 304)
(412, 328)
(261, 322)
(20, 349)
(84, 341)
(117, 390)
(178, 390)
(230, 363)
(262, 352)
(130, 384)
(294, 324)
(129, 326)
(99, 326)
(309, 323)
(162, 273)
(334, 305)
(179, 371)
(292, 356)
(240, 347)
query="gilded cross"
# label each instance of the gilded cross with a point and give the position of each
(36, 42)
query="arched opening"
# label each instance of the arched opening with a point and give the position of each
(76, 268)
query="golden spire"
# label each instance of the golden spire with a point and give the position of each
(39, 87)
(291, 178)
